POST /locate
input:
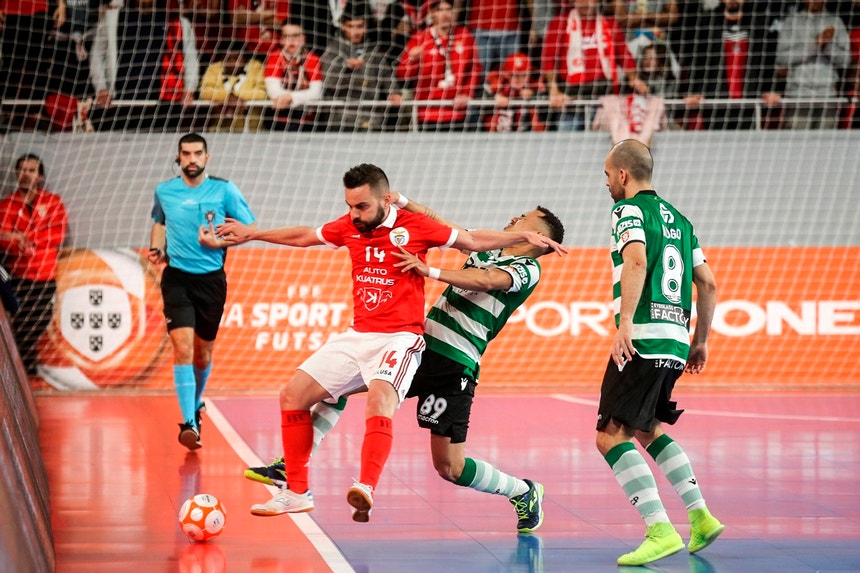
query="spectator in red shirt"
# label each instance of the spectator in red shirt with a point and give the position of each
(294, 77)
(512, 81)
(381, 350)
(443, 62)
(33, 223)
(582, 55)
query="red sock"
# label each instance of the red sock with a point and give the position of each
(378, 437)
(297, 433)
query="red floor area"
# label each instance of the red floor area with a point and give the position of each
(779, 470)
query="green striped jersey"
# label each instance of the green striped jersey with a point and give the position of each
(462, 322)
(661, 323)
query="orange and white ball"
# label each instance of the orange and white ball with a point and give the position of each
(202, 517)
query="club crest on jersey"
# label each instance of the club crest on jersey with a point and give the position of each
(372, 297)
(399, 237)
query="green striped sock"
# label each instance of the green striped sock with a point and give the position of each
(324, 416)
(482, 476)
(635, 478)
(675, 464)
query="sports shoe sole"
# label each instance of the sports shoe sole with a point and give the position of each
(362, 505)
(190, 439)
(639, 562)
(254, 476)
(265, 512)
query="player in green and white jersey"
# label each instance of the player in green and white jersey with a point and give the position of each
(472, 310)
(656, 260)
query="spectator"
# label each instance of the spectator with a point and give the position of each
(256, 23)
(443, 62)
(319, 20)
(229, 84)
(645, 21)
(33, 223)
(26, 49)
(584, 57)
(157, 60)
(399, 22)
(69, 66)
(355, 70)
(497, 26)
(512, 82)
(104, 55)
(638, 115)
(729, 52)
(812, 53)
(294, 78)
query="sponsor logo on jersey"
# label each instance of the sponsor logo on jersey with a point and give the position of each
(670, 313)
(399, 237)
(372, 297)
(666, 214)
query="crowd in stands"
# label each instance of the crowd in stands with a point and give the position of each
(629, 67)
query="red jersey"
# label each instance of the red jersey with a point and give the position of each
(596, 54)
(44, 224)
(295, 73)
(384, 298)
(457, 54)
(495, 15)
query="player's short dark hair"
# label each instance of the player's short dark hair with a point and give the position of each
(553, 224)
(30, 157)
(367, 174)
(192, 138)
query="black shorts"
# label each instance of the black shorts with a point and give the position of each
(639, 393)
(195, 301)
(445, 392)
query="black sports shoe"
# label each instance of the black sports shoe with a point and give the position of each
(272, 474)
(528, 507)
(198, 418)
(189, 437)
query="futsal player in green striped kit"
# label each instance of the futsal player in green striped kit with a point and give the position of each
(472, 310)
(656, 260)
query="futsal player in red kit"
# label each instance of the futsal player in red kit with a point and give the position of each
(382, 348)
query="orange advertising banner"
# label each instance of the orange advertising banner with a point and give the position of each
(787, 319)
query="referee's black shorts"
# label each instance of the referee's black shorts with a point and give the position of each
(639, 393)
(195, 301)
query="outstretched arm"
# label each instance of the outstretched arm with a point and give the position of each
(233, 232)
(478, 280)
(484, 240)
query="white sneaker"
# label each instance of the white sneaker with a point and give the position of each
(285, 501)
(360, 497)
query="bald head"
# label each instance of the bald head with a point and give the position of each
(634, 157)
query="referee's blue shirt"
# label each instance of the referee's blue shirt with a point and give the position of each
(183, 209)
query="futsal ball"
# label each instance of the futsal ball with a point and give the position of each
(202, 517)
(108, 325)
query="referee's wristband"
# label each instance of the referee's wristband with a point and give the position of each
(401, 203)
(434, 273)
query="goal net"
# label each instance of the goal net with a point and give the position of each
(772, 206)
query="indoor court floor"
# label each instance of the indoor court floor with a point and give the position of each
(781, 471)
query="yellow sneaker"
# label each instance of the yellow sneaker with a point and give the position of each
(661, 540)
(704, 529)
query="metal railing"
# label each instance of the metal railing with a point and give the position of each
(758, 107)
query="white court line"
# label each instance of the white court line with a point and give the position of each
(321, 542)
(724, 413)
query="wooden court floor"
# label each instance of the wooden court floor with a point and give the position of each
(781, 471)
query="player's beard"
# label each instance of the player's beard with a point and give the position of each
(193, 171)
(374, 223)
